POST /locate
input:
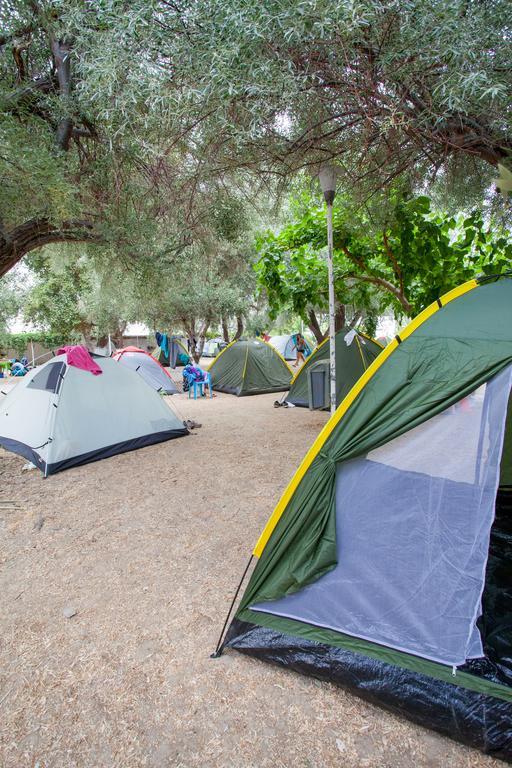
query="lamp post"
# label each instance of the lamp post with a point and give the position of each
(327, 177)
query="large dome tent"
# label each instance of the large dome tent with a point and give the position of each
(249, 367)
(147, 367)
(385, 567)
(354, 353)
(61, 416)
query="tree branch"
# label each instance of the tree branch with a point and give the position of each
(382, 283)
(14, 245)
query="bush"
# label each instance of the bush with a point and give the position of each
(20, 341)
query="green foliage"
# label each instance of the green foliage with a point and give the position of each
(20, 342)
(54, 302)
(408, 262)
(194, 292)
(390, 89)
(11, 299)
(73, 300)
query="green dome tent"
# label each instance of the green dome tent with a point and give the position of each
(386, 565)
(354, 353)
(250, 367)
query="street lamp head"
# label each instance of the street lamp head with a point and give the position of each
(327, 176)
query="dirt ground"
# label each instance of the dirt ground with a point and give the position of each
(147, 548)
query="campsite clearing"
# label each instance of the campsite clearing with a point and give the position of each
(147, 547)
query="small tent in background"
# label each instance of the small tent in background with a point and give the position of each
(171, 352)
(212, 347)
(60, 415)
(386, 566)
(286, 346)
(249, 367)
(354, 353)
(147, 367)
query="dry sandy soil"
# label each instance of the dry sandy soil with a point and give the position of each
(148, 547)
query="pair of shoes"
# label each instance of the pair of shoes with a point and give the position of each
(190, 424)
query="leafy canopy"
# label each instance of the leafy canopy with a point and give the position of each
(417, 87)
(414, 256)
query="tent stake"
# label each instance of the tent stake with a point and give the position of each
(219, 648)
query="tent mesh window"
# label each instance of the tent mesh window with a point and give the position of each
(49, 378)
(415, 583)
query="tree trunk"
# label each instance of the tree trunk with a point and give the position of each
(202, 338)
(190, 330)
(116, 337)
(196, 340)
(314, 326)
(239, 327)
(61, 52)
(14, 245)
(340, 317)
(225, 330)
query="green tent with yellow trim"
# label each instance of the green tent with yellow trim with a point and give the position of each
(386, 566)
(354, 353)
(250, 367)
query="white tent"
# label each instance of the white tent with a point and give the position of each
(285, 345)
(148, 368)
(60, 416)
(212, 347)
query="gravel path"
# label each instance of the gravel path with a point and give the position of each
(147, 549)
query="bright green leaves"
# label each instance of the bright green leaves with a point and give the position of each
(416, 255)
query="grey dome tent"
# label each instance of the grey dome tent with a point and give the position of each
(386, 566)
(148, 368)
(60, 416)
(354, 353)
(286, 346)
(249, 367)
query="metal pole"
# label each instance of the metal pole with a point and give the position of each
(332, 310)
(109, 346)
(32, 348)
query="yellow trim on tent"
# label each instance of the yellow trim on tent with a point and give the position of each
(277, 353)
(325, 342)
(361, 353)
(364, 335)
(345, 405)
(308, 359)
(221, 353)
(245, 363)
(246, 354)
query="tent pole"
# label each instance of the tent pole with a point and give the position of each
(219, 648)
(32, 349)
(109, 346)
(332, 310)
(327, 175)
